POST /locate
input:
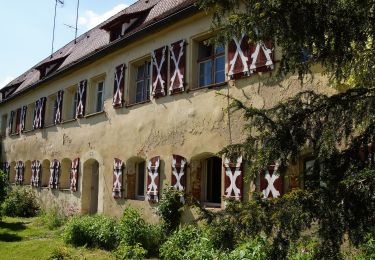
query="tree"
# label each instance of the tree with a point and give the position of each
(339, 129)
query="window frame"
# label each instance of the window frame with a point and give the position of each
(131, 90)
(204, 184)
(137, 177)
(212, 58)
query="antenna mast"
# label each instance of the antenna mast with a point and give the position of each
(75, 38)
(54, 22)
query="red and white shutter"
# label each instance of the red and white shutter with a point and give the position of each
(39, 112)
(118, 88)
(36, 169)
(177, 61)
(58, 105)
(153, 179)
(179, 164)
(10, 125)
(261, 57)
(233, 179)
(238, 57)
(54, 174)
(74, 175)
(19, 172)
(81, 99)
(118, 166)
(23, 119)
(6, 169)
(159, 72)
(271, 182)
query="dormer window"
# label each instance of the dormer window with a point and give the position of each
(49, 67)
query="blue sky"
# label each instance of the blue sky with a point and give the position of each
(27, 29)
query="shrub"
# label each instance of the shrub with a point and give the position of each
(169, 209)
(3, 188)
(253, 249)
(367, 249)
(20, 202)
(60, 253)
(134, 230)
(179, 242)
(130, 252)
(52, 218)
(203, 248)
(93, 231)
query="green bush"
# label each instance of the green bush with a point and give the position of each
(92, 231)
(4, 187)
(179, 242)
(253, 249)
(136, 252)
(60, 253)
(20, 202)
(367, 249)
(134, 230)
(170, 209)
(52, 218)
(203, 248)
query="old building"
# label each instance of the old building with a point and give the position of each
(131, 107)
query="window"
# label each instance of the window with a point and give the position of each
(4, 120)
(30, 116)
(17, 121)
(51, 110)
(140, 179)
(141, 76)
(211, 64)
(69, 103)
(99, 97)
(142, 92)
(212, 179)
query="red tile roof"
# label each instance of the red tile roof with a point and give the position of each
(98, 39)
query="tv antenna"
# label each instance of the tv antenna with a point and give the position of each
(54, 22)
(76, 26)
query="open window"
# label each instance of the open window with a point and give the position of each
(206, 179)
(70, 103)
(30, 116)
(136, 178)
(140, 81)
(51, 110)
(96, 93)
(210, 67)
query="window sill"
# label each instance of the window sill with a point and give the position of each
(65, 190)
(219, 85)
(28, 131)
(68, 121)
(138, 103)
(50, 125)
(95, 114)
(14, 134)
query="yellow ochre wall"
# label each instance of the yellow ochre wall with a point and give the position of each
(190, 124)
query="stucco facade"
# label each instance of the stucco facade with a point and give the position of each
(192, 124)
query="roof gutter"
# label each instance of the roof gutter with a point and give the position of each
(111, 47)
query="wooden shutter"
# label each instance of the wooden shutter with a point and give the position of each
(238, 57)
(19, 172)
(23, 118)
(36, 115)
(36, 169)
(159, 72)
(10, 125)
(153, 179)
(117, 178)
(233, 179)
(58, 106)
(271, 182)
(118, 87)
(177, 61)
(54, 174)
(81, 99)
(261, 57)
(178, 182)
(74, 175)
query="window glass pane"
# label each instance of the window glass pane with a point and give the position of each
(219, 69)
(139, 91)
(148, 69)
(219, 49)
(100, 86)
(140, 72)
(141, 179)
(213, 189)
(205, 73)
(148, 89)
(204, 51)
(99, 102)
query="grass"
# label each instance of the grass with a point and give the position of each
(26, 238)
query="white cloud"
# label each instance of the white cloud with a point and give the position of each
(5, 81)
(91, 19)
